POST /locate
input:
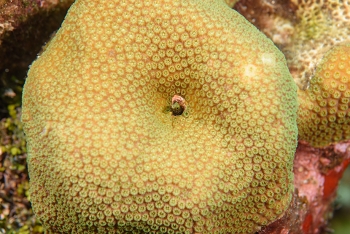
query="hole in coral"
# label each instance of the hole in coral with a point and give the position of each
(178, 105)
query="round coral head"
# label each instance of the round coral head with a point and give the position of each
(106, 151)
(324, 115)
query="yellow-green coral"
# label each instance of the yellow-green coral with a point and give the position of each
(304, 30)
(104, 156)
(324, 108)
(309, 38)
(320, 25)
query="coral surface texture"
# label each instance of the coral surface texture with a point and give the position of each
(159, 117)
(323, 116)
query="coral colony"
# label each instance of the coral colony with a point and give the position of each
(170, 116)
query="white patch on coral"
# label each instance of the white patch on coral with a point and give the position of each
(268, 59)
(250, 70)
(46, 129)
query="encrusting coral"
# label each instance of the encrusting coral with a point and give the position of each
(304, 30)
(159, 116)
(321, 25)
(324, 114)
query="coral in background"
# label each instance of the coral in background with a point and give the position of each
(304, 30)
(324, 113)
